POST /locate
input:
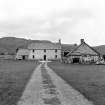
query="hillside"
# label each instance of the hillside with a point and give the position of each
(100, 49)
(10, 44)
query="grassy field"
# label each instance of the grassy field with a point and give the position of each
(88, 79)
(14, 76)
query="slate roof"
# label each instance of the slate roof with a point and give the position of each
(68, 47)
(75, 52)
(23, 52)
(44, 45)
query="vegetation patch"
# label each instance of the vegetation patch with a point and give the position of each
(14, 75)
(87, 79)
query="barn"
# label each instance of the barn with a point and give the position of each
(83, 54)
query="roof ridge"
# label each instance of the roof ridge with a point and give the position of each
(81, 45)
(44, 46)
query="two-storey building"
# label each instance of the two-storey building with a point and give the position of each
(44, 51)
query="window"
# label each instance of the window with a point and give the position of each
(55, 56)
(55, 50)
(33, 50)
(33, 56)
(44, 50)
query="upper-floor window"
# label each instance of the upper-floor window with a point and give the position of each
(55, 50)
(33, 50)
(44, 50)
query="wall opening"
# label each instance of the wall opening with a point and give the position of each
(44, 57)
(76, 60)
(23, 57)
(55, 56)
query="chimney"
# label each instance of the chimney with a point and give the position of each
(75, 44)
(82, 41)
(59, 41)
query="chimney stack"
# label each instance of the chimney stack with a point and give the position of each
(82, 41)
(59, 41)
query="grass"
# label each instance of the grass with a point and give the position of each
(14, 76)
(87, 79)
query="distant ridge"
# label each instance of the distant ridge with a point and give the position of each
(10, 44)
(100, 49)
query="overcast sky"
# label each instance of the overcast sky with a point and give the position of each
(69, 20)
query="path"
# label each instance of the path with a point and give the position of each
(47, 88)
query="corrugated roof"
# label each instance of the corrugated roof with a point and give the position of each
(44, 45)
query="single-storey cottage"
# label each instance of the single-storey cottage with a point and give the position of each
(83, 54)
(22, 54)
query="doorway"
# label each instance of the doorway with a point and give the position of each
(23, 57)
(76, 60)
(44, 57)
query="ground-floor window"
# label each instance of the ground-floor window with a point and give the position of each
(33, 56)
(55, 56)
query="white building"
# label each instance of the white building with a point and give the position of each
(45, 51)
(40, 51)
(22, 54)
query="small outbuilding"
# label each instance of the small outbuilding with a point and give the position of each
(83, 54)
(22, 54)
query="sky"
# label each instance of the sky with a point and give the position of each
(68, 20)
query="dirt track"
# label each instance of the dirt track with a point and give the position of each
(47, 88)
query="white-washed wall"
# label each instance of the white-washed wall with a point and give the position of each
(38, 54)
(50, 54)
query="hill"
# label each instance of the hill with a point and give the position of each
(10, 44)
(100, 49)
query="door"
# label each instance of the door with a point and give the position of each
(76, 60)
(45, 57)
(23, 57)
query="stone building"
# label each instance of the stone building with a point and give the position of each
(45, 51)
(83, 54)
(22, 54)
(41, 51)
